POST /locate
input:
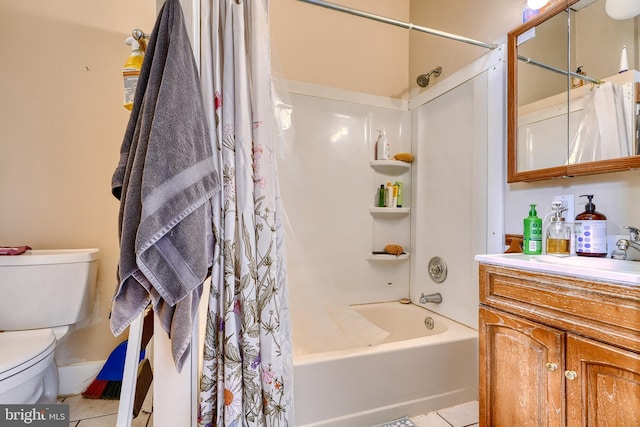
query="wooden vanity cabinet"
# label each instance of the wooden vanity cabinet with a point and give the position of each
(516, 388)
(557, 350)
(606, 391)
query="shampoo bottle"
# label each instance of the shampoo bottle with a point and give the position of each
(388, 193)
(394, 199)
(381, 201)
(382, 146)
(591, 231)
(532, 233)
(399, 185)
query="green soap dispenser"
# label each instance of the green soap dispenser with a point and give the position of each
(532, 233)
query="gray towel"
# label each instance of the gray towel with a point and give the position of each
(165, 181)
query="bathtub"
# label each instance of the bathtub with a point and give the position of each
(415, 370)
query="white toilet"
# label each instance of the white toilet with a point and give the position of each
(42, 294)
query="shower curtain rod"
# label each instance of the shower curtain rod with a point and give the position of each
(397, 23)
(559, 70)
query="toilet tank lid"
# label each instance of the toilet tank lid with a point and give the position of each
(50, 256)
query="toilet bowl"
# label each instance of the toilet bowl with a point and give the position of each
(44, 292)
(28, 373)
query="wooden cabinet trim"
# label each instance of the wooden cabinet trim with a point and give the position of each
(605, 311)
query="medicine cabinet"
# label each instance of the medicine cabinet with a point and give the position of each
(570, 111)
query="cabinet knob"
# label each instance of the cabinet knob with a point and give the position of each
(571, 375)
(551, 367)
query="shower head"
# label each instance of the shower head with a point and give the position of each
(423, 79)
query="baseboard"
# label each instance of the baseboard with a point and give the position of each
(75, 378)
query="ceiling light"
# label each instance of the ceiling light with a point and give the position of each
(622, 9)
(536, 4)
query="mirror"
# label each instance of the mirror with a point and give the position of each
(570, 111)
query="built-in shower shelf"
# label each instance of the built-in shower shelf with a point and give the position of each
(387, 257)
(374, 210)
(390, 167)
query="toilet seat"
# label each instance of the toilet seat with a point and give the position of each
(24, 349)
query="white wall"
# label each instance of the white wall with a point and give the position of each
(62, 125)
(617, 195)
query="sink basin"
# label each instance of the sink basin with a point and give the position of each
(586, 267)
(587, 262)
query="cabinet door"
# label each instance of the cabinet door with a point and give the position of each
(605, 389)
(521, 375)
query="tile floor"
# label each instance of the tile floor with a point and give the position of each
(99, 413)
(103, 413)
(465, 415)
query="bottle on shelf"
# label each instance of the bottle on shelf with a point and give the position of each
(394, 198)
(399, 185)
(388, 195)
(381, 200)
(383, 151)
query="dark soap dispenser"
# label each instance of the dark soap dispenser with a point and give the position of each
(591, 231)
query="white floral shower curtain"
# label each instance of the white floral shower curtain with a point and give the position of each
(247, 371)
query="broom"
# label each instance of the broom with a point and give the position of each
(108, 382)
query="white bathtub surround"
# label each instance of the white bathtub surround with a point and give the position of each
(412, 372)
(454, 129)
(328, 186)
(458, 174)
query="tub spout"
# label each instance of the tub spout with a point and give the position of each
(434, 298)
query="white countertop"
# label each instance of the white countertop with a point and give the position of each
(584, 267)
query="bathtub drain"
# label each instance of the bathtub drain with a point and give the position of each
(428, 322)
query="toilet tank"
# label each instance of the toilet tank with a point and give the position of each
(47, 288)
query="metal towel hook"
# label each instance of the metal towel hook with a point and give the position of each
(139, 34)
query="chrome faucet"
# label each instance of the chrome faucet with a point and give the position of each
(623, 245)
(434, 298)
